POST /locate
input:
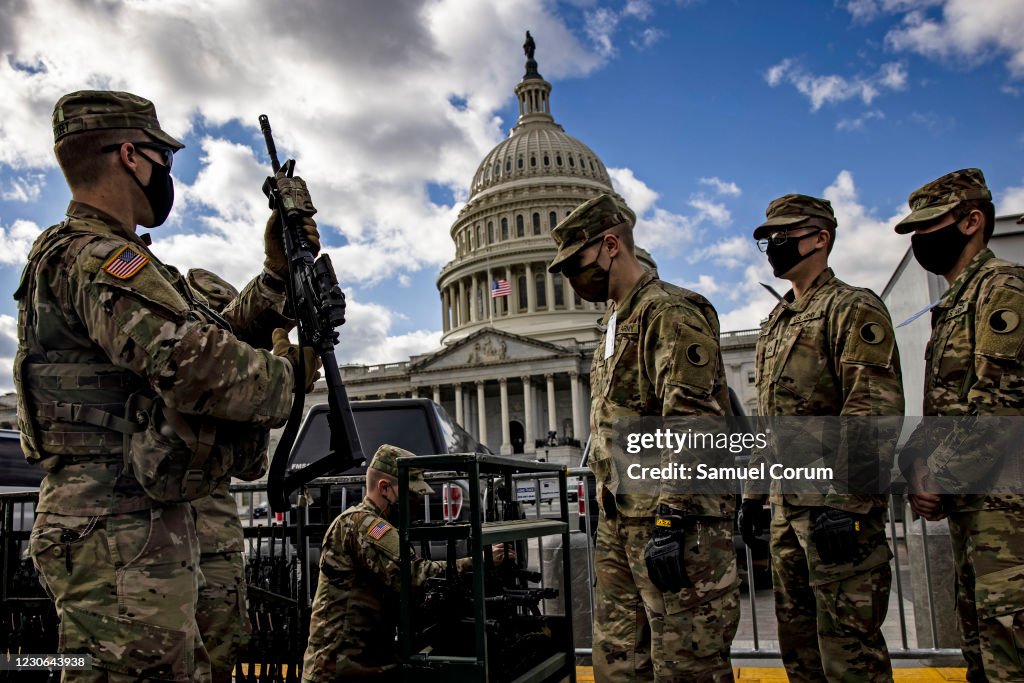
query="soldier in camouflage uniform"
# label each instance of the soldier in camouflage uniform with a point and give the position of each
(827, 349)
(659, 357)
(134, 395)
(974, 367)
(355, 612)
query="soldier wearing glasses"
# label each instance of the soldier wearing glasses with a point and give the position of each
(827, 349)
(136, 394)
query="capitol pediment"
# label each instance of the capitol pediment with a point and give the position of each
(489, 347)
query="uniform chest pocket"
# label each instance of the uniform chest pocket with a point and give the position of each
(799, 364)
(619, 373)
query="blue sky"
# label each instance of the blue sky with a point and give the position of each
(702, 111)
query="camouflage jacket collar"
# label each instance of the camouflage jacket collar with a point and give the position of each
(952, 295)
(800, 305)
(87, 212)
(624, 309)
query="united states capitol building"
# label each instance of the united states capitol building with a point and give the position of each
(514, 370)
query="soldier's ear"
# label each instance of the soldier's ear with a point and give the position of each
(973, 222)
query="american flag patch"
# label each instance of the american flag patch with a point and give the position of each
(379, 529)
(126, 262)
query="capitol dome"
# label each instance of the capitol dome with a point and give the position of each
(521, 190)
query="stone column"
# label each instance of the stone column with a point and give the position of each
(514, 293)
(549, 287)
(506, 438)
(437, 393)
(462, 302)
(552, 418)
(481, 412)
(472, 299)
(531, 294)
(458, 402)
(528, 446)
(574, 377)
(444, 310)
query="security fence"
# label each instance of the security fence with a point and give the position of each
(283, 550)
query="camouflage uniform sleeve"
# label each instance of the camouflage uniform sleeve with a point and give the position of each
(377, 549)
(256, 312)
(868, 366)
(681, 358)
(144, 325)
(970, 453)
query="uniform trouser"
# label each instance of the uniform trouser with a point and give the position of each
(222, 613)
(125, 588)
(643, 634)
(830, 615)
(988, 554)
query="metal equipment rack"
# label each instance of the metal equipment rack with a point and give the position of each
(425, 666)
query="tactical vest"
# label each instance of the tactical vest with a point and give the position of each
(87, 421)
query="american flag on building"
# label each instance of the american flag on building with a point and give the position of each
(500, 288)
(126, 263)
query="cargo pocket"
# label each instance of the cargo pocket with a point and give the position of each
(999, 597)
(59, 547)
(706, 629)
(127, 646)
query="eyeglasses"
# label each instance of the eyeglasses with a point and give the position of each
(166, 153)
(779, 238)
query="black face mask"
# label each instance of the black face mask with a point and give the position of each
(159, 193)
(938, 251)
(785, 256)
(591, 283)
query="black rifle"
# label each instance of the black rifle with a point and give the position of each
(319, 307)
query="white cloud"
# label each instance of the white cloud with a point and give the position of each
(867, 250)
(641, 9)
(969, 31)
(832, 88)
(666, 230)
(366, 338)
(864, 11)
(1011, 201)
(711, 211)
(637, 194)
(722, 187)
(600, 25)
(858, 122)
(16, 240)
(705, 284)
(729, 253)
(367, 156)
(648, 37)
(24, 188)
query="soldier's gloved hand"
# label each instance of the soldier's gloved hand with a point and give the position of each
(285, 349)
(749, 521)
(664, 552)
(273, 244)
(835, 535)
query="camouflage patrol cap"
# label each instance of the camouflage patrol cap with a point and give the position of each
(85, 110)
(939, 197)
(586, 222)
(792, 210)
(386, 460)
